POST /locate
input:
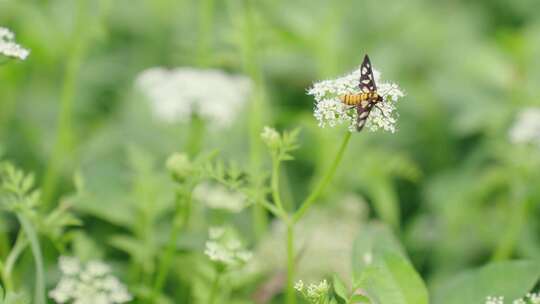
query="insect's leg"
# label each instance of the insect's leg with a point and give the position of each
(382, 112)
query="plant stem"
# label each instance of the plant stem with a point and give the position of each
(291, 294)
(180, 220)
(39, 295)
(206, 19)
(18, 248)
(275, 182)
(214, 289)
(324, 182)
(64, 134)
(195, 136)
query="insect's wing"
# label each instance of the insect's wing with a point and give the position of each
(367, 81)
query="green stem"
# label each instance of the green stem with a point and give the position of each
(179, 222)
(14, 254)
(324, 182)
(291, 294)
(206, 19)
(31, 235)
(509, 239)
(195, 136)
(252, 68)
(215, 288)
(64, 134)
(275, 182)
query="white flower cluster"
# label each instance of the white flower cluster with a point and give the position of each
(8, 46)
(530, 298)
(330, 111)
(178, 94)
(270, 137)
(225, 248)
(89, 283)
(313, 293)
(217, 196)
(526, 129)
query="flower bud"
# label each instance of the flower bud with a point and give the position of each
(180, 166)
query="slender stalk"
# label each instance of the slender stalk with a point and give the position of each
(242, 13)
(275, 182)
(39, 293)
(215, 288)
(14, 254)
(206, 18)
(291, 294)
(180, 221)
(64, 134)
(324, 182)
(509, 239)
(195, 136)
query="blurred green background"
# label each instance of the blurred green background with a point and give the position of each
(456, 191)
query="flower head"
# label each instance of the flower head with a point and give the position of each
(313, 293)
(217, 196)
(177, 95)
(8, 46)
(90, 283)
(526, 129)
(530, 298)
(271, 137)
(330, 111)
(224, 248)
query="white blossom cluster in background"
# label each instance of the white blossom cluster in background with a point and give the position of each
(88, 283)
(8, 46)
(526, 129)
(217, 196)
(530, 298)
(176, 95)
(225, 248)
(313, 293)
(330, 111)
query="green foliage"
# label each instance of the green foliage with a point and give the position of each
(451, 191)
(510, 280)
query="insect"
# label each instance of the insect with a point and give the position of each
(367, 98)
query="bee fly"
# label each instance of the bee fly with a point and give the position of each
(367, 99)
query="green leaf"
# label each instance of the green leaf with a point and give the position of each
(511, 279)
(375, 239)
(339, 288)
(392, 279)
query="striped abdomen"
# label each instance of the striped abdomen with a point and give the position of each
(355, 99)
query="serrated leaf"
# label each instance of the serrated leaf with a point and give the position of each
(510, 279)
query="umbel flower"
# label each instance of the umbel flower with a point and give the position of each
(526, 129)
(88, 283)
(313, 293)
(330, 111)
(177, 95)
(225, 249)
(217, 196)
(8, 46)
(530, 298)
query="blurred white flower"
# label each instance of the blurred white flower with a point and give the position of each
(530, 298)
(176, 95)
(217, 196)
(494, 300)
(8, 46)
(313, 293)
(270, 137)
(526, 129)
(224, 247)
(330, 111)
(324, 241)
(90, 283)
